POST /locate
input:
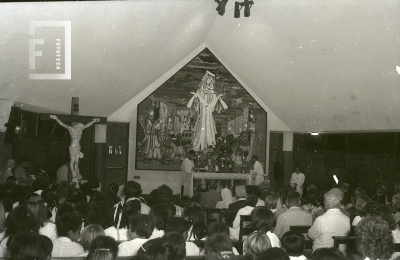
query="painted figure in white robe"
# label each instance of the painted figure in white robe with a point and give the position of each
(205, 101)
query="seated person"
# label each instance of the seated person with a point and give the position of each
(226, 195)
(157, 249)
(160, 214)
(362, 201)
(256, 245)
(132, 189)
(293, 243)
(194, 215)
(140, 229)
(121, 219)
(240, 194)
(218, 227)
(30, 245)
(262, 220)
(90, 233)
(177, 242)
(270, 202)
(181, 226)
(327, 254)
(210, 198)
(251, 203)
(164, 195)
(217, 245)
(274, 253)
(68, 230)
(103, 247)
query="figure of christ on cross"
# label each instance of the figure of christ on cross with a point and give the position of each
(75, 149)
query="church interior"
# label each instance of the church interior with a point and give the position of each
(323, 67)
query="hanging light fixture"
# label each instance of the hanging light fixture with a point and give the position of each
(221, 6)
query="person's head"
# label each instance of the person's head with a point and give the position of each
(69, 225)
(177, 242)
(157, 249)
(213, 186)
(283, 195)
(293, 199)
(39, 209)
(177, 224)
(338, 192)
(293, 243)
(159, 213)
(256, 244)
(191, 154)
(164, 193)
(355, 193)
(396, 203)
(29, 245)
(217, 243)
(100, 213)
(89, 233)
(103, 248)
(252, 200)
(132, 189)
(194, 215)
(25, 161)
(374, 238)
(10, 164)
(131, 207)
(65, 188)
(362, 200)
(345, 187)
(62, 210)
(331, 253)
(386, 213)
(94, 182)
(254, 158)
(265, 185)
(262, 219)
(297, 169)
(275, 253)
(240, 192)
(140, 226)
(98, 197)
(217, 227)
(20, 219)
(271, 201)
(331, 200)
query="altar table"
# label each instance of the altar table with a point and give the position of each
(189, 176)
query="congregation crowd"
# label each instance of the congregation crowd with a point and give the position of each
(45, 220)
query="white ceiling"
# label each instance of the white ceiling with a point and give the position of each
(319, 65)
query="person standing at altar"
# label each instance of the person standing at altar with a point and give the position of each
(257, 172)
(187, 170)
(297, 181)
(20, 172)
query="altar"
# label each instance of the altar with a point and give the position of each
(189, 178)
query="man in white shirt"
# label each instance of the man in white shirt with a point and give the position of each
(258, 172)
(297, 181)
(251, 203)
(69, 230)
(332, 223)
(140, 229)
(294, 216)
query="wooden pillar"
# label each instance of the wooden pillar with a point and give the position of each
(287, 156)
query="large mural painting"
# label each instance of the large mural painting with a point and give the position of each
(205, 109)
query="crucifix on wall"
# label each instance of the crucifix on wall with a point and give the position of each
(79, 123)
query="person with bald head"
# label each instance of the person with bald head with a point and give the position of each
(332, 223)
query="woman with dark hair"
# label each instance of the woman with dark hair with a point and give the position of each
(218, 244)
(362, 201)
(111, 193)
(133, 189)
(68, 230)
(177, 242)
(140, 229)
(30, 245)
(20, 219)
(331, 253)
(262, 220)
(157, 249)
(121, 219)
(274, 253)
(194, 215)
(385, 212)
(103, 248)
(39, 210)
(160, 214)
(374, 238)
